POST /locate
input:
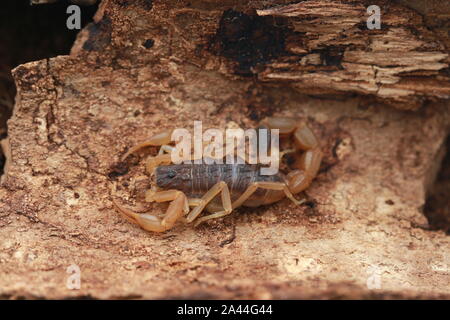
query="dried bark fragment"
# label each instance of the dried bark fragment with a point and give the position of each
(76, 115)
(402, 64)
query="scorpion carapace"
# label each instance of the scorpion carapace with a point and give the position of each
(191, 188)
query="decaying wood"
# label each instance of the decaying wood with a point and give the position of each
(402, 63)
(144, 66)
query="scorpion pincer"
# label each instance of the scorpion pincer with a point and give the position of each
(192, 188)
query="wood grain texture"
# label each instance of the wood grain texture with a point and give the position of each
(403, 63)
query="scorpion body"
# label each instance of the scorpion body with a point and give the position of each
(220, 188)
(196, 179)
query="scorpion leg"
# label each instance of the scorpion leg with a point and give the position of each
(177, 208)
(216, 210)
(194, 202)
(304, 138)
(285, 125)
(308, 163)
(162, 158)
(216, 215)
(220, 187)
(153, 162)
(159, 139)
(307, 168)
(265, 185)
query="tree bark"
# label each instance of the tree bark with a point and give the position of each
(144, 66)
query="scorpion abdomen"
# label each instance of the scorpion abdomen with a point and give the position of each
(195, 179)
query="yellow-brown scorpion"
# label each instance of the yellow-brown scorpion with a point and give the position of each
(191, 188)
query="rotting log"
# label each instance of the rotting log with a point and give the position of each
(147, 65)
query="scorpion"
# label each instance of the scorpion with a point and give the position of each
(198, 186)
